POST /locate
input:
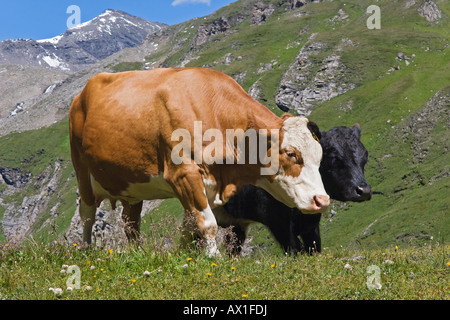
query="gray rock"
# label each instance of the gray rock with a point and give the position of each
(305, 83)
(430, 11)
(14, 177)
(261, 12)
(205, 32)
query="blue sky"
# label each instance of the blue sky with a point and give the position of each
(32, 19)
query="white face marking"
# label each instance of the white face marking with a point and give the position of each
(309, 183)
(299, 191)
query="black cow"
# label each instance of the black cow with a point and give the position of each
(342, 171)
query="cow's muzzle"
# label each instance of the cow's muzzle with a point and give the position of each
(364, 193)
(320, 204)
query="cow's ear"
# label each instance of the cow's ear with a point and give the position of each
(286, 116)
(357, 129)
(312, 126)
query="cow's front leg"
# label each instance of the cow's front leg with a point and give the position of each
(199, 218)
(202, 223)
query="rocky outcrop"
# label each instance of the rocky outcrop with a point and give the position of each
(108, 229)
(416, 129)
(294, 4)
(14, 177)
(261, 12)
(206, 31)
(19, 217)
(430, 11)
(306, 82)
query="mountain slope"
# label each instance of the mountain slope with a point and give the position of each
(80, 46)
(309, 58)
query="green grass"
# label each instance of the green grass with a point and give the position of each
(33, 150)
(28, 272)
(410, 207)
(127, 66)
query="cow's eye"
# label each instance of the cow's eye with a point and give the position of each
(291, 155)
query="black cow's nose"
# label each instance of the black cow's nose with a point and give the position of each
(364, 192)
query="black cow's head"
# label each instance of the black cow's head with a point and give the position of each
(342, 167)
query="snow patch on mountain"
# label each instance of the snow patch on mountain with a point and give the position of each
(53, 40)
(55, 62)
(82, 45)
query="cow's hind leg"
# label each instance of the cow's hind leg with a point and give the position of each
(87, 215)
(131, 215)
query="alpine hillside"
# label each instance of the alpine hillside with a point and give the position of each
(314, 58)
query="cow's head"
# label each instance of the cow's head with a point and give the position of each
(342, 167)
(297, 182)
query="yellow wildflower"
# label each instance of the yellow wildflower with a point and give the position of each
(110, 251)
(134, 281)
(209, 274)
(233, 268)
(244, 295)
(272, 265)
(88, 262)
(213, 264)
(188, 259)
(75, 245)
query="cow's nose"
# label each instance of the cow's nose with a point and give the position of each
(321, 203)
(364, 192)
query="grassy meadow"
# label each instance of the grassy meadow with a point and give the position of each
(142, 272)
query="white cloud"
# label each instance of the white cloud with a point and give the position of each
(178, 2)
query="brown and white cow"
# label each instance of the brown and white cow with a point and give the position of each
(123, 143)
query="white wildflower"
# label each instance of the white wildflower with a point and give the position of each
(57, 291)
